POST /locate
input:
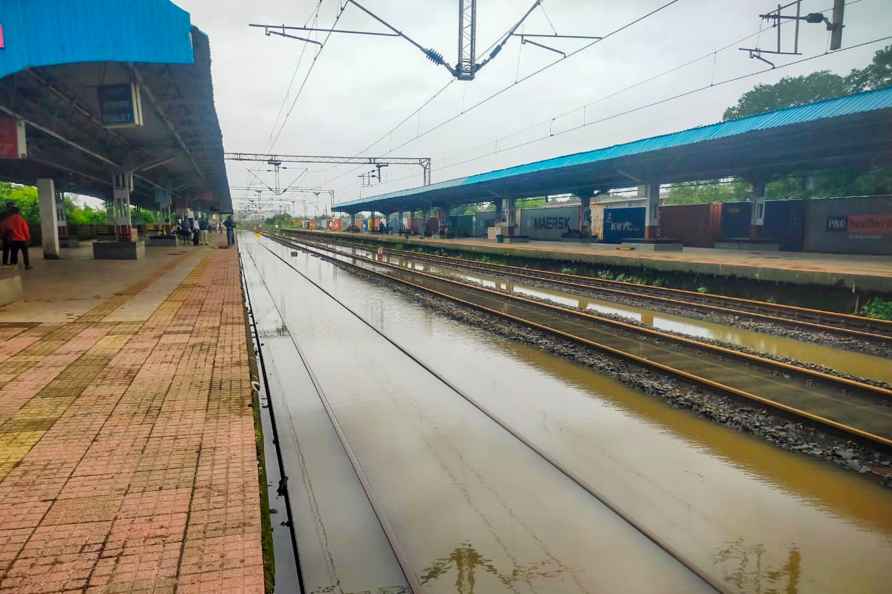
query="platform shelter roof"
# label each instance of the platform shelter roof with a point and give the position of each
(55, 56)
(850, 131)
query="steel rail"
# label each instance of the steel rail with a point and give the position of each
(836, 425)
(705, 346)
(647, 292)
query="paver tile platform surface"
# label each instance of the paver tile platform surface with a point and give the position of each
(127, 448)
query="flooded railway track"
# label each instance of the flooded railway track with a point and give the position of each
(789, 315)
(490, 479)
(853, 407)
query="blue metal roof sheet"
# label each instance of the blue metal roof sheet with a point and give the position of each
(50, 32)
(829, 108)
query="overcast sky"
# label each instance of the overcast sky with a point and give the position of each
(362, 86)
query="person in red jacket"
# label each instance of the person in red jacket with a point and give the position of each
(18, 235)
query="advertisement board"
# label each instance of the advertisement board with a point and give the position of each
(873, 225)
(13, 144)
(550, 223)
(621, 224)
(120, 106)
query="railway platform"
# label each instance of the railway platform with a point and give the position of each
(127, 446)
(862, 272)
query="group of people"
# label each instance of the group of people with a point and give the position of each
(15, 236)
(197, 230)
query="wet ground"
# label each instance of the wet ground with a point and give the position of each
(756, 518)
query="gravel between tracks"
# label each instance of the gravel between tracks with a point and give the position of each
(783, 431)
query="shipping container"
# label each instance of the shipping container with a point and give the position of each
(598, 221)
(621, 224)
(697, 225)
(736, 220)
(858, 225)
(483, 221)
(785, 223)
(461, 225)
(550, 223)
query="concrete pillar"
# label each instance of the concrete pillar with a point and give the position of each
(585, 216)
(652, 211)
(122, 187)
(757, 220)
(510, 216)
(500, 214)
(49, 225)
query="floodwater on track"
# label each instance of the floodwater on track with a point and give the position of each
(857, 364)
(756, 518)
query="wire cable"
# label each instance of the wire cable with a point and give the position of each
(492, 96)
(670, 98)
(710, 54)
(536, 72)
(341, 9)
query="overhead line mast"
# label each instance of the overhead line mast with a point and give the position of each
(466, 66)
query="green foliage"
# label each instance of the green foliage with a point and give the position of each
(799, 90)
(714, 191)
(282, 220)
(25, 197)
(878, 308)
(876, 75)
(143, 216)
(791, 91)
(788, 92)
(84, 215)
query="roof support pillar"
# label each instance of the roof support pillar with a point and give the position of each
(651, 191)
(510, 214)
(49, 222)
(758, 197)
(122, 183)
(585, 215)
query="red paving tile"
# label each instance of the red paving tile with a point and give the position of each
(127, 454)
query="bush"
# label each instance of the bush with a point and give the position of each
(878, 308)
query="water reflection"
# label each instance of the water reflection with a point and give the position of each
(857, 364)
(744, 566)
(467, 564)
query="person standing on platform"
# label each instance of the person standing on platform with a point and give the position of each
(203, 230)
(230, 231)
(4, 214)
(196, 232)
(18, 236)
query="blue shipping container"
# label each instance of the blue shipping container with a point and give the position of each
(785, 223)
(621, 224)
(736, 219)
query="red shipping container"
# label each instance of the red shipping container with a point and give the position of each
(696, 225)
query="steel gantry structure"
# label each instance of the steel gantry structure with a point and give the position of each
(277, 160)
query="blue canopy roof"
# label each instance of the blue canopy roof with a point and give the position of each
(586, 162)
(50, 32)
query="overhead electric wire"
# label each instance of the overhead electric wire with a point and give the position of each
(313, 17)
(649, 79)
(521, 80)
(676, 96)
(341, 9)
(536, 72)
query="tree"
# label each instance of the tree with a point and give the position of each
(709, 191)
(876, 75)
(788, 92)
(24, 197)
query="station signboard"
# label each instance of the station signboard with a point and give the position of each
(120, 106)
(13, 141)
